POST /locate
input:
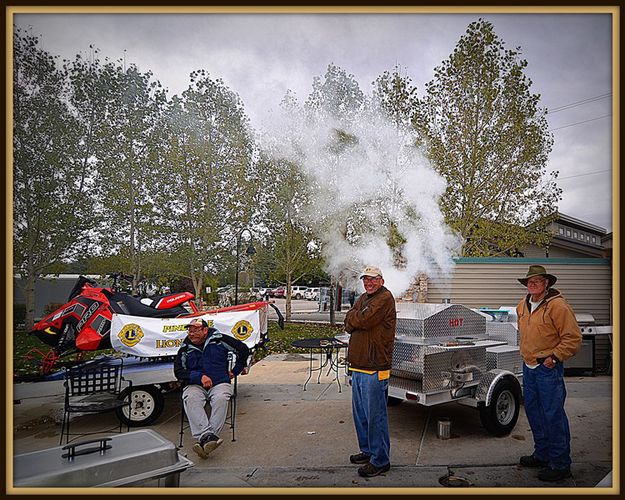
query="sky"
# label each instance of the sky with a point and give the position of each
(260, 56)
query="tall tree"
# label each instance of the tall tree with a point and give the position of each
(335, 95)
(484, 132)
(210, 181)
(295, 251)
(126, 166)
(51, 203)
(396, 96)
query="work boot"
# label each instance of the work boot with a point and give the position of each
(370, 470)
(360, 458)
(554, 474)
(532, 461)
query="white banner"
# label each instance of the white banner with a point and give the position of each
(152, 337)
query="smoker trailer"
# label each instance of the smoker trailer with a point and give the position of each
(445, 352)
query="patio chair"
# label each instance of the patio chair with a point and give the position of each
(93, 387)
(232, 406)
(230, 417)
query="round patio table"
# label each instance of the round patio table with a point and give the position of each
(328, 349)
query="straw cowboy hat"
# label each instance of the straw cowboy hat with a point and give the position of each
(538, 271)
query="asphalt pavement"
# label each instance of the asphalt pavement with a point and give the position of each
(290, 438)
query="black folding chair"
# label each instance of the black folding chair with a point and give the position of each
(230, 417)
(93, 387)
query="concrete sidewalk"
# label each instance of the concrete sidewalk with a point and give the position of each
(287, 437)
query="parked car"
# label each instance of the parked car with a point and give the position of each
(279, 293)
(297, 292)
(312, 294)
(263, 293)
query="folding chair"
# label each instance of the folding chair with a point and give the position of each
(230, 417)
(92, 387)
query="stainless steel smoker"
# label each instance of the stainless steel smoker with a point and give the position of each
(445, 352)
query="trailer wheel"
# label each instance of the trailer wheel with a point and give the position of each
(146, 405)
(500, 417)
(391, 401)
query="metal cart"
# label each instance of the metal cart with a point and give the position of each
(444, 352)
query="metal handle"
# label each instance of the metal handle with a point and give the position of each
(101, 448)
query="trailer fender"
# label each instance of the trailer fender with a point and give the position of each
(484, 391)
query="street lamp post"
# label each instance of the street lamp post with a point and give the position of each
(250, 251)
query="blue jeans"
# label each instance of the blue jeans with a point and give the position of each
(370, 416)
(544, 394)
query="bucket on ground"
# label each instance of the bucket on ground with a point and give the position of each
(443, 428)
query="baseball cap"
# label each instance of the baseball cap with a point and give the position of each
(371, 271)
(198, 322)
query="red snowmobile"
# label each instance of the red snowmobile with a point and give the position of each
(84, 322)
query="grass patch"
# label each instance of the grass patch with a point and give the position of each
(280, 342)
(28, 352)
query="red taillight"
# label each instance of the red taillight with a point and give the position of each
(412, 397)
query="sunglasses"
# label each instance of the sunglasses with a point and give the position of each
(372, 278)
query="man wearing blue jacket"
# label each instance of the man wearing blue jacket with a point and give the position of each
(202, 365)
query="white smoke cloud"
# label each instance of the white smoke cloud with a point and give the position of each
(381, 177)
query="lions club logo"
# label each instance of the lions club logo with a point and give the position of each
(130, 335)
(242, 330)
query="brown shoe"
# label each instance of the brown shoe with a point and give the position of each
(212, 444)
(199, 449)
(360, 458)
(370, 470)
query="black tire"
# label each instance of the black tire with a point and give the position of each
(391, 401)
(298, 296)
(500, 417)
(146, 405)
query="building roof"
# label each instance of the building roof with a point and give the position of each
(572, 221)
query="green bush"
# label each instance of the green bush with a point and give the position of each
(280, 340)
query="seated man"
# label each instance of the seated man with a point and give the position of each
(202, 364)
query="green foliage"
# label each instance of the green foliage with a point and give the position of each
(336, 94)
(280, 340)
(209, 183)
(396, 96)
(484, 132)
(50, 196)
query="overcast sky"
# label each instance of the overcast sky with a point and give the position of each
(260, 56)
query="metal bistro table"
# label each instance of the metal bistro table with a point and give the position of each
(327, 348)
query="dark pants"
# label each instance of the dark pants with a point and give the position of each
(544, 395)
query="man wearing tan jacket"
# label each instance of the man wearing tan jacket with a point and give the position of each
(549, 336)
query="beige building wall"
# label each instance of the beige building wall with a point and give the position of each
(492, 282)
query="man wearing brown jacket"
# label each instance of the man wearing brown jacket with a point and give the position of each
(549, 336)
(371, 325)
